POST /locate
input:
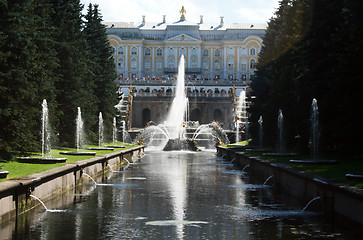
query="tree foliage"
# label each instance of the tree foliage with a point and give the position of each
(46, 53)
(311, 50)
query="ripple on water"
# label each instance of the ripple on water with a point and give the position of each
(175, 223)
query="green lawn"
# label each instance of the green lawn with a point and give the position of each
(333, 171)
(17, 169)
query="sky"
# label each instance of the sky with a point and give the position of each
(233, 11)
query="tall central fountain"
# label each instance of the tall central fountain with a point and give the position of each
(176, 115)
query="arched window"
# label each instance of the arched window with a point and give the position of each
(171, 63)
(134, 51)
(120, 51)
(205, 52)
(217, 53)
(120, 63)
(159, 64)
(147, 52)
(217, 65)
(243, 51)
(133, 63)
(159, 52)
(147, 64)
(194, 63)
(205, 64)
(253, 63)
(244, 65)
(253, 52)
(230, 64)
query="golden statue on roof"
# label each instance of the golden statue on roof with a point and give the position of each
(182, 12)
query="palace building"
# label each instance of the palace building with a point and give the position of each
(220, 62)
(211, 50)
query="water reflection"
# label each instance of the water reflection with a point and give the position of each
(173, 195)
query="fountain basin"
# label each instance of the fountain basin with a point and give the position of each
(313, 161)
(79, 153)
(181, 144)
(41, 160)
(101, 148)
(3, 174)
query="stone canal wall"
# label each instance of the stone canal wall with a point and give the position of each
(14, 193)
(342, 204)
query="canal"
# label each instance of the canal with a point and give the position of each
(175, 195)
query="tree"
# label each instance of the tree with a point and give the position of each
(103, 67)
(26, 76)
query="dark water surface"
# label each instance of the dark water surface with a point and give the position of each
(174, 195)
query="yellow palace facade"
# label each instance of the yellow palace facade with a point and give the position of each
(211, 50)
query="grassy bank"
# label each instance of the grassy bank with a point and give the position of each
(17, 169)
(332, 171)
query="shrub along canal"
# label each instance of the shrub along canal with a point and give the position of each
(175, 195)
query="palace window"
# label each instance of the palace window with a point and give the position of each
(194, 63)
(243, 51)
(147, 64)
(244, 65)
(253, 63)
(205, 64)
(217, 53)
(120, 63)
(159, 52)
(253, 52)
(217, 65)
(159, 64)
(147, 52)
(120, 51)
(230, 64)
(205, 52)
(133, 63)
(134, 51)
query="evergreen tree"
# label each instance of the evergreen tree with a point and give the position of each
(74, 69)
(26, 75)
(103, 67)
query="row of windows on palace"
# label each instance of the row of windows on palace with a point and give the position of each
(182, 51)
(194, 64)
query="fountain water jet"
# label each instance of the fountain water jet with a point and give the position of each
(176, 115)
(311, 201)
(280, 124)
(39, 201)
(268, 179)
(244, 168)
(260, 131)
(45, 138)
(100, 130)
(314, 119)
(45, 129)
(79, 129)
